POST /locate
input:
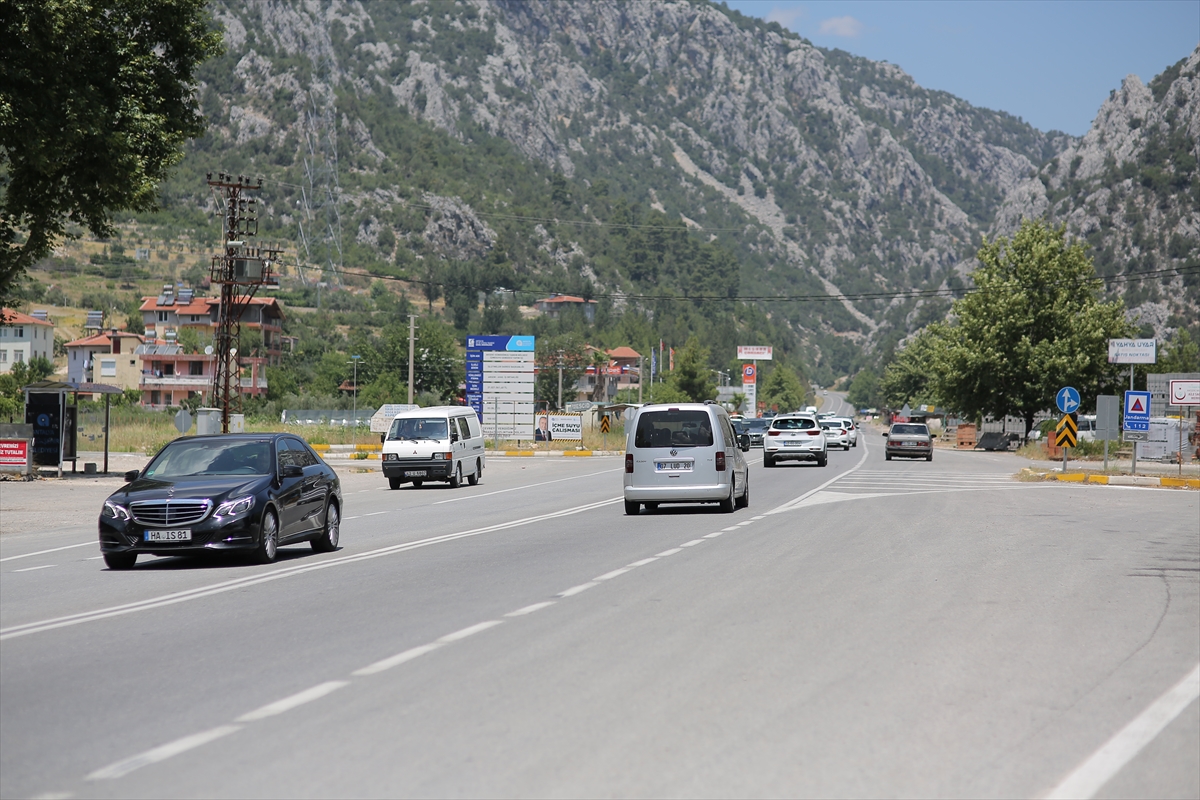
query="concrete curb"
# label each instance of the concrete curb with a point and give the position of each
(1114, 480)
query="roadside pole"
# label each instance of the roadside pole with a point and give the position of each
(1133, 468)
(412, 330)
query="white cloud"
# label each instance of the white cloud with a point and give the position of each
(841, 26)
(787, 17)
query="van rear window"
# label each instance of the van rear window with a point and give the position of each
(674, 429)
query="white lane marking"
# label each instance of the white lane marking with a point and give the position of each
(530, 486)
(162, 753)
(644, 562)
(574, 590)
(520, 612)
(610, 575)
(670, 552)
(94, 558)
(396, 660)
(1090, 776)
(288, 703)
(730, 528)
(760, 516)
(347, 519)
(712, 535)
(744, 524)
(51, 550)
(278, 574)
(789, 505)
(471, 631)
(377, 513)
(31, 569)
(692, 543)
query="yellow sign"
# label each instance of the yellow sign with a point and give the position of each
(604, 424)
(1066, 433)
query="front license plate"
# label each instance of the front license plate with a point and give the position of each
(414, 473)
(177, 535)
(673, 466)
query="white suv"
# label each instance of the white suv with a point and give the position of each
(795, 437)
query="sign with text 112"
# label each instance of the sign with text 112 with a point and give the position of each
(754, 352)
(1132, 351)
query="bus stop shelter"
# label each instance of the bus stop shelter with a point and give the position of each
(54, 420)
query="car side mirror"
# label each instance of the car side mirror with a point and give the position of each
(132, 476)
(292, 471)
(453, 438)
(744, 442)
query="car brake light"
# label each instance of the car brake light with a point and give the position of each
(922, 444)
(814, 433)
(720, 461)
(629, 462)
(773, 433)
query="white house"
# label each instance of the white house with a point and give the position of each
(24, 338)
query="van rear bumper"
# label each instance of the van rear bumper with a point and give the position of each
(705, 493)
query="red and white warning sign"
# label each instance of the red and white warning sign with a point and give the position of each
(1135, 404)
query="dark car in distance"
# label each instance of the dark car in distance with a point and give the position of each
(247, 493)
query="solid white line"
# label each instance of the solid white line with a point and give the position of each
(471, 631)
(288, 703)
(162, 753)
(51, 550)
(530, 486)
(1090, 776)
(574, 590)
(789, 505)
(31, 569)
(643, 562)
(285, 572)
(520, 612)
(610, 575)
(670, 552)
(396, 660)
(712, 535)
(692, 543)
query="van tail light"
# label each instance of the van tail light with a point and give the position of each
(720, 461)
(629, 463)
(773, 433)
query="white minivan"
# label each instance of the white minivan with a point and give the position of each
(685, 453)
(442, 443)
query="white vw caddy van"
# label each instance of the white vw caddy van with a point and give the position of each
(685, 453)
(442, 443)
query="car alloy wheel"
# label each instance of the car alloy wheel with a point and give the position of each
(268, 539)
(328, 540)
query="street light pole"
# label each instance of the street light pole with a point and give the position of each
(412, 327)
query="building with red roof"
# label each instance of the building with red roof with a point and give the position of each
(107, 357)
(553, 305)
(24, 338)
(165, 315)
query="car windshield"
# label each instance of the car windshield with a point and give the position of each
(793, 424)
(909, 430)
(757, 425)
(416, 428)
(674, 429)
(829, 426)
(188, 458)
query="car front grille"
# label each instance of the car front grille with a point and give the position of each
(165, 513)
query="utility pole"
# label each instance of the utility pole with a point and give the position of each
(354, 360)
(640, 381)
(560, 369)
(240, 270)
(412, 329)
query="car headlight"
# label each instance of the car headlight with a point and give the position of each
(233, 508)
(114, 511)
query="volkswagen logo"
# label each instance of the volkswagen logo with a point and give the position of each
(674, 452)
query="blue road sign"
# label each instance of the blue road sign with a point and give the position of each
(1137, 411)
(1068, 399)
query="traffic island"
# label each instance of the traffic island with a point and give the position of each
(1109, 480)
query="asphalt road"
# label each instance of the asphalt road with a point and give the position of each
(868, 629)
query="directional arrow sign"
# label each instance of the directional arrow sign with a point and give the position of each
(1068, 399)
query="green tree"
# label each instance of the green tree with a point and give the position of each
(783, 390)
(96, 99)
(1181, 354)
(1034, 323)
(692, 374)
(864, 389)
(910, 377)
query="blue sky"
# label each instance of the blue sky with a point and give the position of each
(1050, 63)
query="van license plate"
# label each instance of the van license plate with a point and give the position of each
(414, 473)
(673, 466)
(177, 535)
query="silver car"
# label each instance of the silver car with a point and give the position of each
(685, 453)
(910, 440)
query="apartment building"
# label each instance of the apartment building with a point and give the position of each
(24, 338)
(172, 310)
(109, 357)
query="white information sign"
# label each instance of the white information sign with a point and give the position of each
(1184, 393)
(1132, 351)
(754, 352)
(500, 384)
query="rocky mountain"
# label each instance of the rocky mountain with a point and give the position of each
(636, 149)
(1131, 188)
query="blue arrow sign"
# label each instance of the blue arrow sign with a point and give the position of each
(1068, 399)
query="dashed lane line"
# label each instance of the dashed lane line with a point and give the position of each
(520, 612)
(692, 543)
(31, 569)
(294, 701)
(530, 486)
(610, 575)
(574, 590)
(162, 752)
(670, 552)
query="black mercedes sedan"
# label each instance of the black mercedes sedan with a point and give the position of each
(249, 493)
